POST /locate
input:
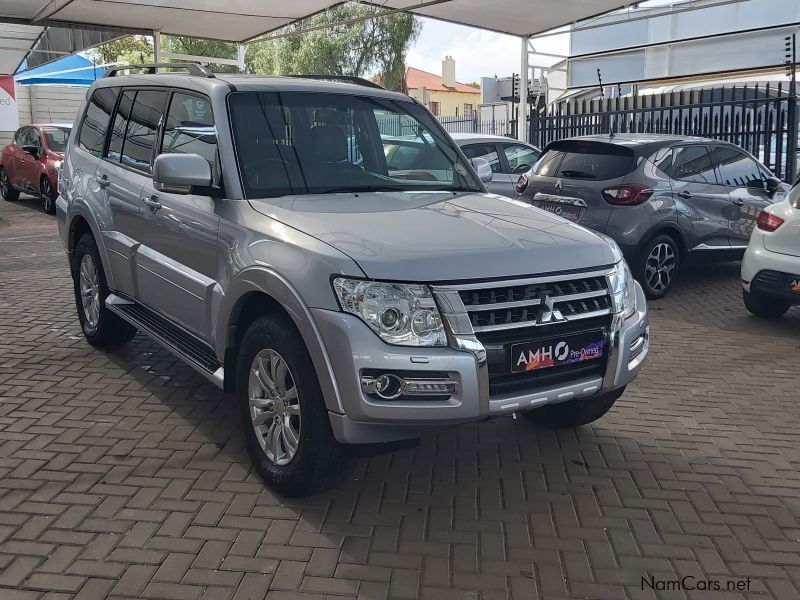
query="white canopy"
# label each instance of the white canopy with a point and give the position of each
(242, 20)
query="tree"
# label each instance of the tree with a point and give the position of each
(198, 47)
(353, 49)
(131, 49)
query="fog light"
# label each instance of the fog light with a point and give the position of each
(389, 386)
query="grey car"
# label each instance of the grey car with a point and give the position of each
(664, 199)
(343, 304)
(507, 157)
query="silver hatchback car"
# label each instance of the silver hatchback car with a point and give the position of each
(344, 301)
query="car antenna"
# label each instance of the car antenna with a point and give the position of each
(603, 97)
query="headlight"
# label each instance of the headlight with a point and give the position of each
(401, 314)
(623, 289)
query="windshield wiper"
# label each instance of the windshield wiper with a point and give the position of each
(578, 174)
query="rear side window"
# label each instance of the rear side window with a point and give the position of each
(120, 125)
(548, 166)
(95, 122)
(693, 164)
(137, 150)
(588, 160)
(189, 128)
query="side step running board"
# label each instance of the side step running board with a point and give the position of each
(194, 352)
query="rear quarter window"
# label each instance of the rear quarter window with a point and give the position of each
(94, 126)
(586, 160)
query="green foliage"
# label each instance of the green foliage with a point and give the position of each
(198, 47)
(355, 49)
(131, 49)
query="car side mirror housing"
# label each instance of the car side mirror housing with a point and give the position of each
(32, 150)
(773, 185)
(482, 168)
(179, 173)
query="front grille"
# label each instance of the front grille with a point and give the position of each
(509, 312)
(519, 304)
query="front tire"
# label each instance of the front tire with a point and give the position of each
(284, 419)
(101, 327)
(47, 196)
(658, 266)
(573, 413)
(766, 308)
(9, 193)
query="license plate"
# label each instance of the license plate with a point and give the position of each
(568, 212)
(557, 351)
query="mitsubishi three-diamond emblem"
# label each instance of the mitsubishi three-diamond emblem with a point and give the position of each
(548, 312)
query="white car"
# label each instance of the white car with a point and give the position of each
(771, 265)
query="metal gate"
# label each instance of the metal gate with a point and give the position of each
(761, 119)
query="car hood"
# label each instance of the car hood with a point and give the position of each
(441, 236)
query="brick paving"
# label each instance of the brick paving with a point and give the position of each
(122, 474)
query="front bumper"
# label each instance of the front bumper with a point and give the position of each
(353, 349)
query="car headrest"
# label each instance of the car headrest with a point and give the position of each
(329, 143)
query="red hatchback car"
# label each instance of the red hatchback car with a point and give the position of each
(30, 163)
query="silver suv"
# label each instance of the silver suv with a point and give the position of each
(253, 227)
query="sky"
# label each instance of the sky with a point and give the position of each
(477, 52)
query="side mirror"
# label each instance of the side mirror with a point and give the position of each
(483, 169)
(179, 173)
(32, 150)
(774, 185)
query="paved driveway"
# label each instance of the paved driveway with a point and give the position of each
(122, 473)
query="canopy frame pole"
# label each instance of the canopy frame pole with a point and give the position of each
(522, 113)
(156, 46)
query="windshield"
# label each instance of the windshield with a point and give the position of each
(312, 143)
(56, 138)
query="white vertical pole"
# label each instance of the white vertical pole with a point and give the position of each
(522, 122)
(241, 49)
(157, 46)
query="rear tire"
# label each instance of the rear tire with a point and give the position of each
(766, 308)
(573, 413)
(284, 418)
(658, 266)
(47, 196)
(9, 193)
(101, 327)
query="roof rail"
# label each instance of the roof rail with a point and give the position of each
(193, 68)
(343, 79)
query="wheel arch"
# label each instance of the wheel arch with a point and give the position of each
(258, 291)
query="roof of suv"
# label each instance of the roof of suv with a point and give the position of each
(248, 83)
(639, 143)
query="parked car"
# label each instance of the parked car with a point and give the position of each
(345, 304)
(508, 158)
(31, 161)
(663, 199)
(771, 265)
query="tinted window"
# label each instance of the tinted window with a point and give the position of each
(95, 123)
(520, 158)
(693, 163)
(137, 150)
(736, 169)
(485, 151)
(299, 143)
(33, 138)
(56, 138)
(548, 166)
(19, 137)
(117, 135)
(189, 128)
(590, 165)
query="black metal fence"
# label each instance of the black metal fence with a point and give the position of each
(760, 118)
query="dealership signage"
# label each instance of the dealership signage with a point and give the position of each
(9, 118)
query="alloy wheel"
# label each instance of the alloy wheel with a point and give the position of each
(659, 268)
(47, 195)
(90, 290)
(274, 407)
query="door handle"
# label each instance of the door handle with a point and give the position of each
(104, 182)
(738, 202)
(686, 195)
(152, 202)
